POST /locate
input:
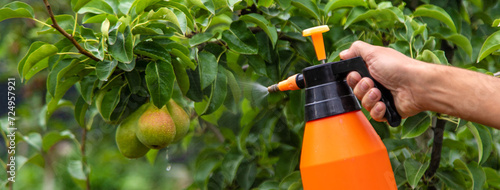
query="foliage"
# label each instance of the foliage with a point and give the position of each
(212, 55)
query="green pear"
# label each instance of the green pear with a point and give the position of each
(156, 127)
(181, 120)
(126, 139)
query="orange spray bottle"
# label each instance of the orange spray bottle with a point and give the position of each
(340, 148)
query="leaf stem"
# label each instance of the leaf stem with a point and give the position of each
(65, 34)
(41, 22)
(74, 27)
(68, 53)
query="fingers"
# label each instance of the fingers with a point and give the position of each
(353, 78)
(370, 96)
(362, 88)
(378, 112)
(358, 48)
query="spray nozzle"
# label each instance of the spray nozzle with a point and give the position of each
(294, 82)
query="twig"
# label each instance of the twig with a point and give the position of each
(84, 160)
(217, 132)
(65, 34)
(436, 148)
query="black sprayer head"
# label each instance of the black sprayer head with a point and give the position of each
(328, 94)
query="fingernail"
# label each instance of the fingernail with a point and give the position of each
(378, 108)
(372, 95)
(364, 86)
(342, 53)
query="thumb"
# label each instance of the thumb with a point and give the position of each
(357, 49)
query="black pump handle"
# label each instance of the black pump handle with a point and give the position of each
(357, 64)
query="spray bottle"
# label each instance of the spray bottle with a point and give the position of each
(340, 148)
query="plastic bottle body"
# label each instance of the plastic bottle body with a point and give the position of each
(344, 152)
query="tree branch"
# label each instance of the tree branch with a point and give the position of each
(65, 34)
(84, 160)
(436, 148)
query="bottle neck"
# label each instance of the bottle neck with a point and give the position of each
(329, 99)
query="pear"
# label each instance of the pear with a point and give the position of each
(156, 127)
(181, 120)
(126, 139)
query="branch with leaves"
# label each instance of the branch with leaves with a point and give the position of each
(67, 35)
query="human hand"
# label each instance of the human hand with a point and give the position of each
(390, 68)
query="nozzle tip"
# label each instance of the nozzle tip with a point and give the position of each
(273, 88)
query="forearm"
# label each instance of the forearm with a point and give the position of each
(462, 93)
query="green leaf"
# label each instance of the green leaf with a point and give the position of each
(53, 137)
(204, 167)
(258, 64)
(263, 23)
(414, 171)
(160, 79)
(87, 85)
(416, 125)
(80, 109)
(245, 176)
(96, 7)
(269, 185)
(208, 68)
(36, 159)
(240, 39)
(384, 18)
(107, 100)
(491, 44)
(143, 30)
(66, 22)
(290, 180)
(436, 12)
(217, 95)
(484, 141)
(181, 76)
(61, 78)
(307, 5)
(152, 50)
(16, 9)
(76, 5)
(219, 91)
(492, 177)
(179, 7)
(337, 4)
(57, 73)
(429, 57)
(184, 58)
(164, 14)
(458, 39)
(134, 81)
(231, 3)
(233, 85)
(36, 59)
(151, 156)
(127, 66)
(122, 48)
(205, 4)
(140, 5)
(34, 139)
(200, 38)
(478, 175)
(100, 18)
(496, 23)
(105, 68)
(452, 178)
(230, 165)
(75, 169)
